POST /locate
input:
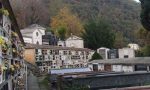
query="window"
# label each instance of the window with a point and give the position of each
(126, 56)
(37, 34)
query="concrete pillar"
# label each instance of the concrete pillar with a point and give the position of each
(147, 68)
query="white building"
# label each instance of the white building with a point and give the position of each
(103, 52)
(134, 46)
(126, 53)
(75, 42)
(33, 34)
(72, 41)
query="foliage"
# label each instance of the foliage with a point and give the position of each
(4, 11)
(97, 34)
(120, 41)
(138, 53)
(143, 37)
(66, 22)
(2, 41)
(124, 15)
(145, 14)
(61, 33)
(96, 56)
(146, 50)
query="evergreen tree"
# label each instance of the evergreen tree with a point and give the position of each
(97, 34)
(145, 14)
(96, 56)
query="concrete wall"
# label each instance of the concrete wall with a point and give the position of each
(27, 40)
(74, 43)
(126, 52)
(37, 38)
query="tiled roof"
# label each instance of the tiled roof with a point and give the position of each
(127, 61)
(34, 46)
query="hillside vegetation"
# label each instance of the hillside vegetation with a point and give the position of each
(123, 15)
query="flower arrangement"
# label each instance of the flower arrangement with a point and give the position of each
(12, 69)
(4, 12)
(14, 50)
(4, 68)
(2, 41)
(4, 48)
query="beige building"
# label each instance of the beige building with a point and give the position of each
(54, 57)
(72, 41)
(126, 53)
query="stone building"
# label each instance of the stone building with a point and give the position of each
(126, 53)
(11, 49)
(33, 34)
(49, 57)
(72, 41)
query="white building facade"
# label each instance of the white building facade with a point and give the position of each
(126, 53)
(33, 34)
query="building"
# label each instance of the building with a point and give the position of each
(134, 46)
(11, 50)
(113, 54)
(126, 53)
(103, 52)
(49, 39)
(49, 57)
(72, 41)
(33, 34)
(121, 65)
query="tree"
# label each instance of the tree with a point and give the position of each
(143, 37)
(145, 14)
(120, 41)
(97, 34)
(96, 56)
(29, 12)
(68, 21)
(146, 50)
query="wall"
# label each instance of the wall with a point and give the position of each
(37, 38)
(74, 43)
(29, 55)
(117, 68)
(127, 68)
(126, 52)
(27, 40)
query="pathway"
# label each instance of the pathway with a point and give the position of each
(33, 82)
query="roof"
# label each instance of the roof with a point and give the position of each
(14, 23)
(73, 37)
(71, 70)
(35, 46)
(32, 28)
(126, 61)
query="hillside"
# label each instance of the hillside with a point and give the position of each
(123, 15)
